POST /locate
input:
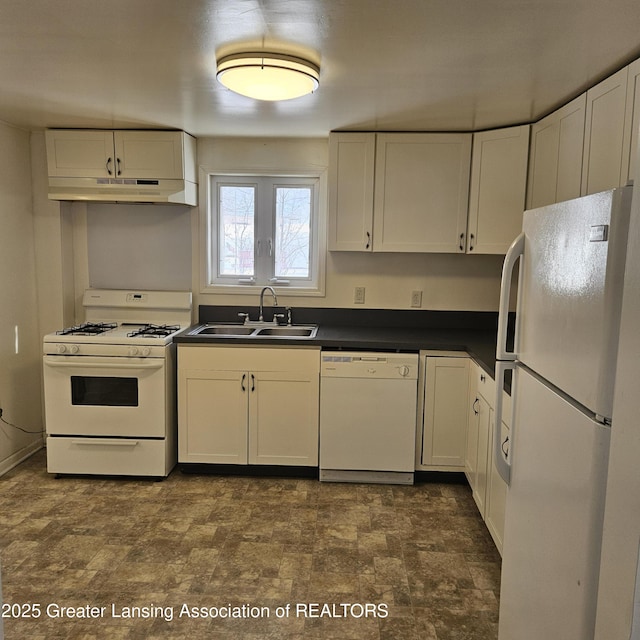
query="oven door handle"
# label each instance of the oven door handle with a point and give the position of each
(104, 442)
(158, 364)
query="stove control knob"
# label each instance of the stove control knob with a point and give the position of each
(145, 351)
(74, 348)
(61, 348)
(133, 351)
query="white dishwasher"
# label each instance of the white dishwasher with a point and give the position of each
(368, 417)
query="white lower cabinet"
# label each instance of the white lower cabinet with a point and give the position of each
(478, 480)
(443, 411)
(496, 486)
(488, 489)
(248, 405)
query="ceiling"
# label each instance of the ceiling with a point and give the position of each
(436, 65)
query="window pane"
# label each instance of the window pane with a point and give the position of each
(236, 208)
(292, 232)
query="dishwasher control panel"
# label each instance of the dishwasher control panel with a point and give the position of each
(343, 364)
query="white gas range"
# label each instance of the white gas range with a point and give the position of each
(109, 384)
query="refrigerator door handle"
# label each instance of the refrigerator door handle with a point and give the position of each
(503, 465)
(514, 253)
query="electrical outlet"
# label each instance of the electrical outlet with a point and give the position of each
(416, 298)
(358, 295)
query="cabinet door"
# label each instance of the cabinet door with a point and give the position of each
(212, 416)
(149, 154)
(604, 134)
(80, 154)
(351, 170)
(480, 485)
(631, 124)
(421, 192)
(555, 159)
(473, 414)
(445, 412)
(498, 187)
(283, 418)
(496, 489)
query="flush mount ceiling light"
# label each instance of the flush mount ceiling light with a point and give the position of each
(268, 76)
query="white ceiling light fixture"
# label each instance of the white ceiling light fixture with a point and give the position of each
(268, 76)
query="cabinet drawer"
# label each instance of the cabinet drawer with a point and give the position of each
(485, 385)
(109, 456)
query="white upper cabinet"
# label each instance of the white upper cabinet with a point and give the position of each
(603, 166)
(632, 123)
(120, 154)
(498, 188)
(398, 192)
(421, 192)
(351, 171)
(153, 154)
(80, 154)
(555, 160)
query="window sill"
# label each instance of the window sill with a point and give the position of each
(255, 289)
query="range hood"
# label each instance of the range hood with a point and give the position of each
(142, 190)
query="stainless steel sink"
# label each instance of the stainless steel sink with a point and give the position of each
(256, 331)
(223, 330)
(287, 332)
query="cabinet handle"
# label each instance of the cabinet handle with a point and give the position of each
(108, 167)
(475, 402)
(462, 242)
(366, 246)
(119, 171)
(471, 239)
(505, 447)
(253, 382)
(244, 377)
(482, 377)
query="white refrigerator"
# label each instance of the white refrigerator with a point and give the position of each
(571, 259)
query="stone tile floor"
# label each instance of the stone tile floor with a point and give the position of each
(412, 563)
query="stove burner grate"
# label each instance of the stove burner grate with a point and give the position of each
(88, 329)
(154, 331)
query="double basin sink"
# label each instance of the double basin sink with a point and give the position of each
(262, 330)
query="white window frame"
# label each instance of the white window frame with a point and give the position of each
(211, 283)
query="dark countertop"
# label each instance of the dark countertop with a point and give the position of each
(479, 343)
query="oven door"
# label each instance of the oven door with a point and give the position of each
(105, 396)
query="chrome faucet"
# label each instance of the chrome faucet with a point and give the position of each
(275, 301)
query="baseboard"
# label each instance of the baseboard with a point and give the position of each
(15, 459)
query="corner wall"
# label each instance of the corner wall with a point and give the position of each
(20, 352)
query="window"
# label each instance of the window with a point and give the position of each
(263, 231)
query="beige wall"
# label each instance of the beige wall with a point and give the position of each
(20, 352)
(448, 282)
